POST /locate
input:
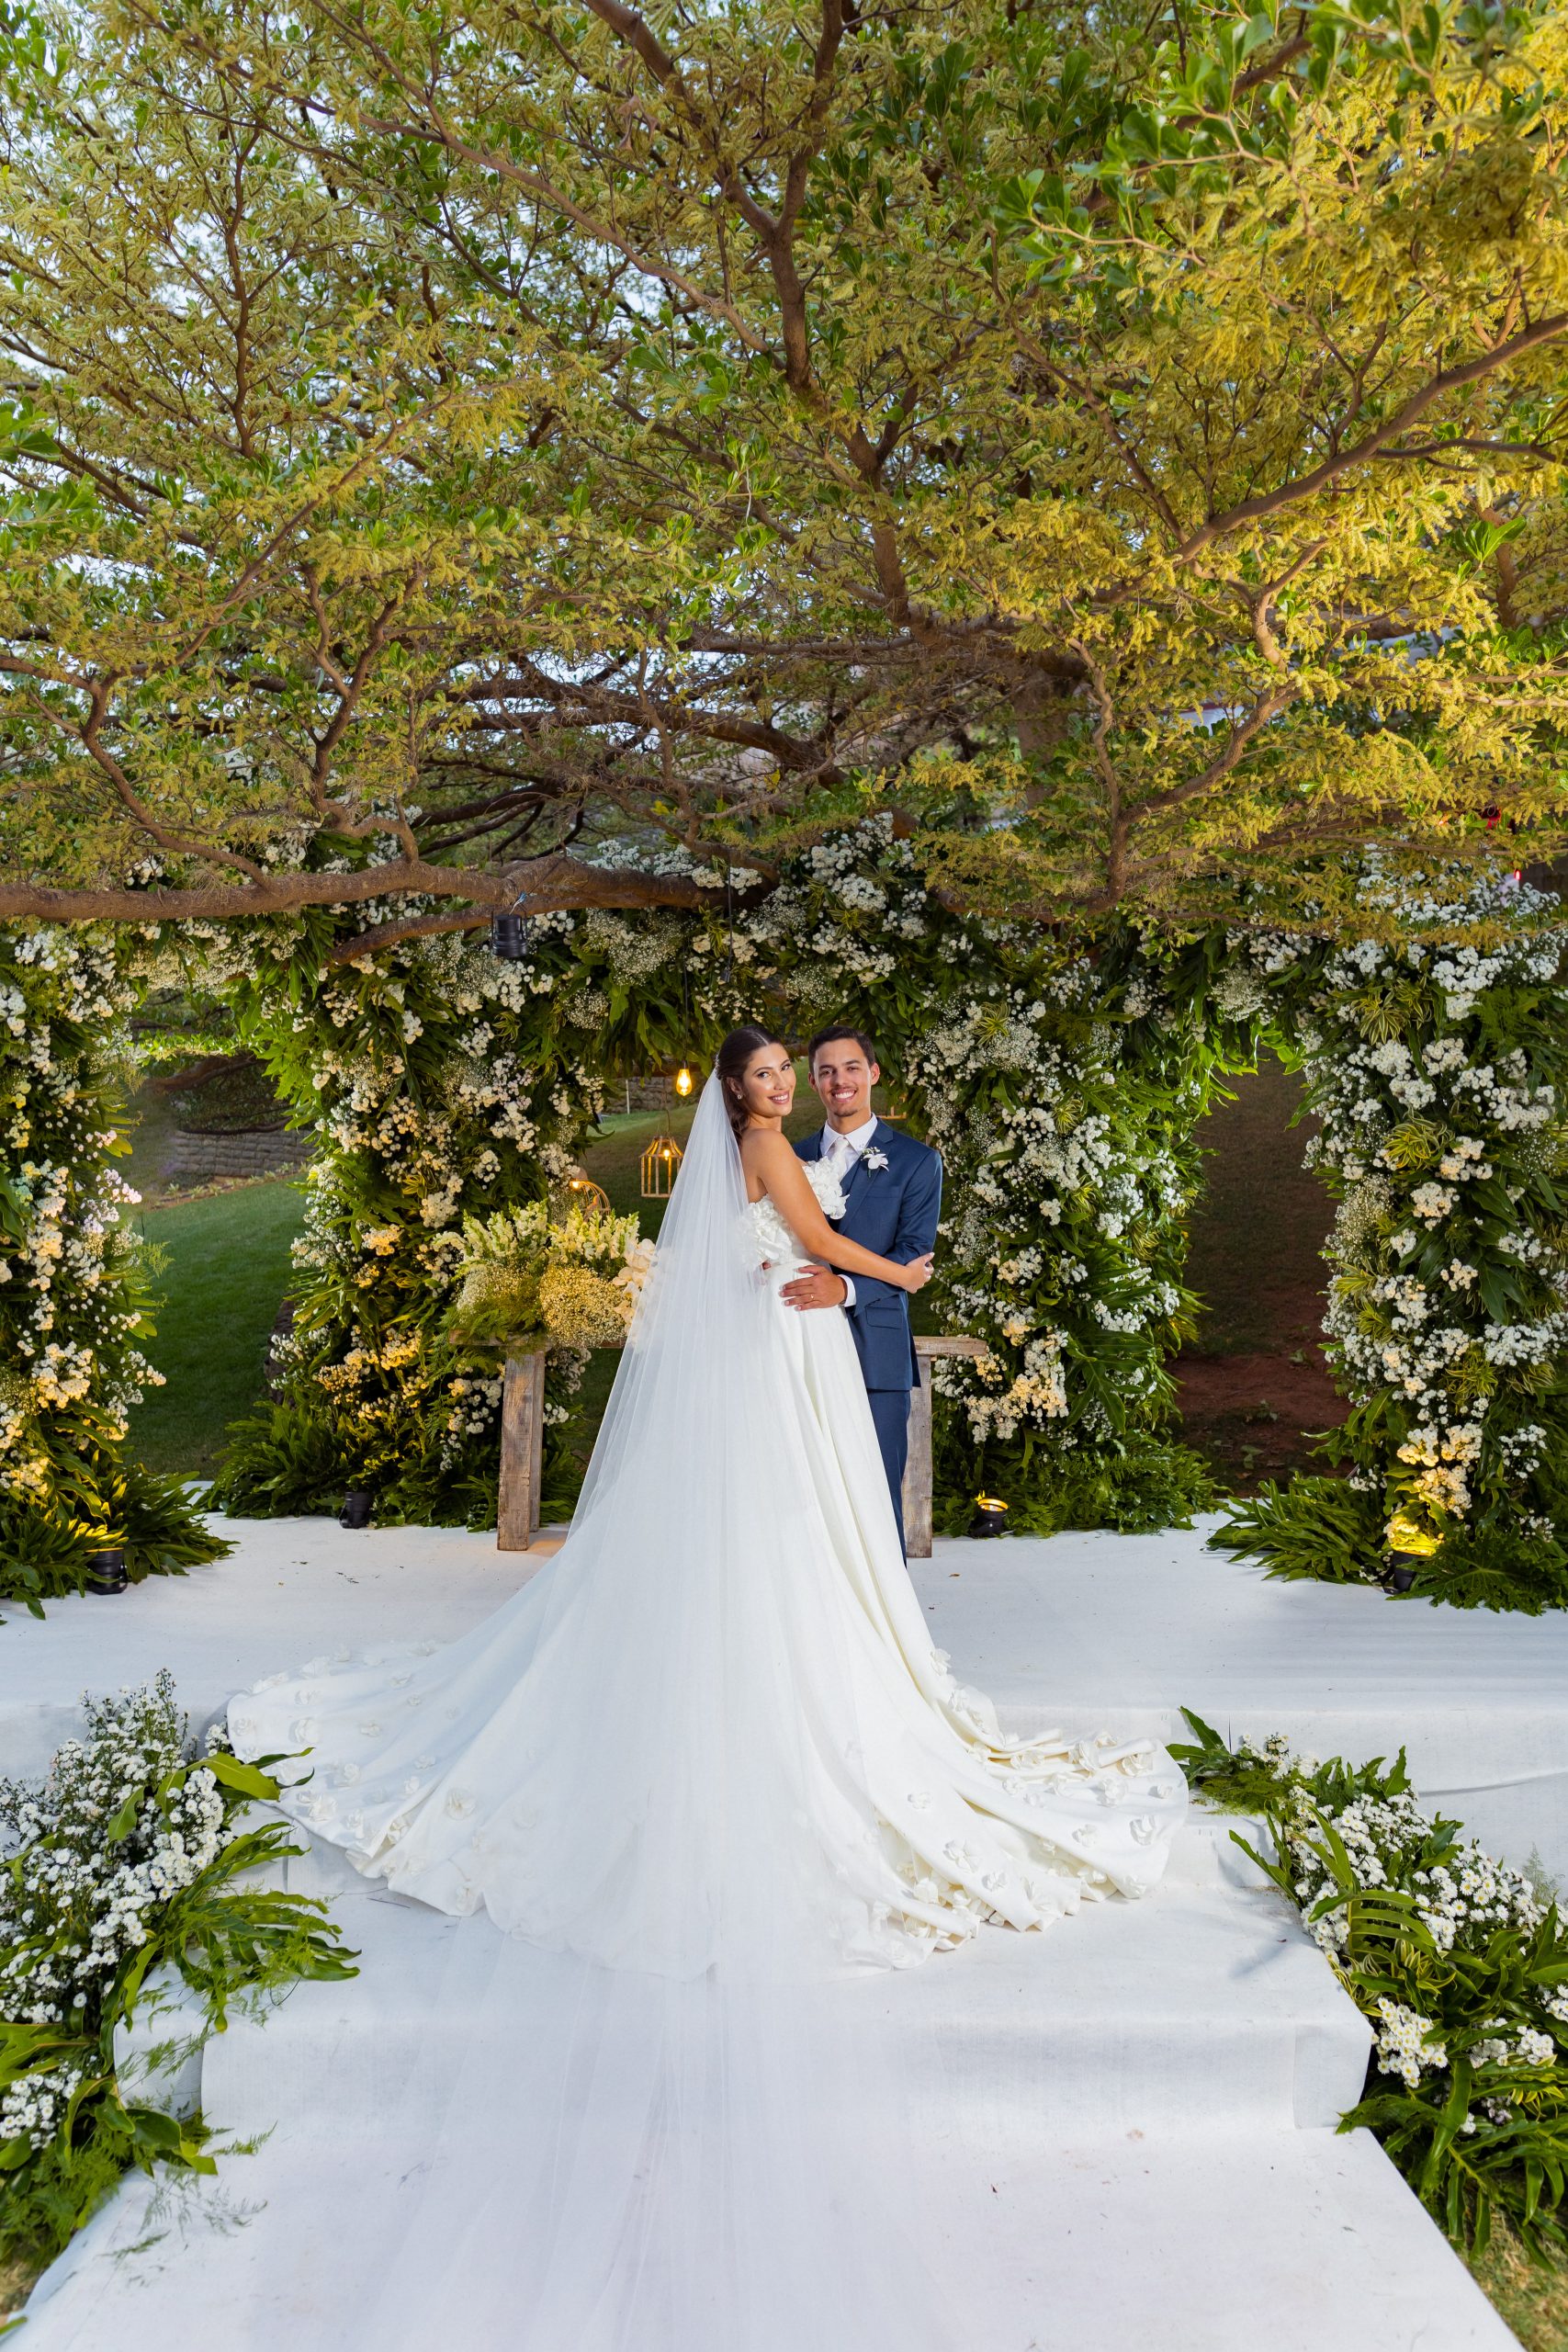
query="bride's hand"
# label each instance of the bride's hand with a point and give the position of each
(918, 1272)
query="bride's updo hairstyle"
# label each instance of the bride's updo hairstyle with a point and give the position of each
(733, 1056)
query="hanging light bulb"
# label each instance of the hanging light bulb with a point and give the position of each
(684, 1081)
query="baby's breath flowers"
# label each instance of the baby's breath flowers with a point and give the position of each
(1457, 1958)
(126, 1861)
(1437, 1073)
(74, 1322)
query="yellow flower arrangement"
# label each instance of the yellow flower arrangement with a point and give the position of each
(569, 1281)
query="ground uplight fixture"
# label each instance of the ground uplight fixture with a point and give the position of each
(105, 1570)
(356, 1511)
(1405, 1545)
(991, 1516)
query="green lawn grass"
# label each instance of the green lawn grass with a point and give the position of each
(227, 1269)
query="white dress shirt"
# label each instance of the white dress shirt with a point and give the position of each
(840, 1151)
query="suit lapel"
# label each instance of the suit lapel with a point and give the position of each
(859, 1170)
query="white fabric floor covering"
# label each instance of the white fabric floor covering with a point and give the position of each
(1128, 2138)
(1100, 1632)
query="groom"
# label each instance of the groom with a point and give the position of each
(892, 1188)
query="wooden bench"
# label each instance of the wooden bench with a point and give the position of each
(523, 1447)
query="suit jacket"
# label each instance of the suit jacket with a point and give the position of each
(892, 1210)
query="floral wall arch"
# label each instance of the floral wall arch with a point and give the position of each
(1062, 1080)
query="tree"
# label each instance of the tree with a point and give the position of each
(445, 442)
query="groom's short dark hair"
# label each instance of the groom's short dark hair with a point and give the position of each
(832, 1037)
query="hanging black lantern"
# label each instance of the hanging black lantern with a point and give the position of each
(105, 1571)
(509, 937)
(356, 1511)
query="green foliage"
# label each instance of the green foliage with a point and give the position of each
(1317, 1527)
(283, 1459)
(74, 1312)
(1100, 367)
(440, 1082)
(1437, 1064)
(1136, 1488)
(137, 1864)
(1452, 1957)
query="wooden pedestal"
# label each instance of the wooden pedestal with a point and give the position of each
(918, 1469)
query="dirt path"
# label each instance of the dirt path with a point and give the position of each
(1254, 1384)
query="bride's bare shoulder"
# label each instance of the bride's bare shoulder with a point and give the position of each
(769, 1161)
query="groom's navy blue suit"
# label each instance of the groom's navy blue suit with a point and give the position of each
(892, 1210)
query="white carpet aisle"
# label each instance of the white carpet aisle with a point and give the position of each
(1143, 2099)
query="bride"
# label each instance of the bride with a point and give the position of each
(710, 1759)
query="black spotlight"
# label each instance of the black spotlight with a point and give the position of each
(105, 1571)
(1398, 1573)
(509, 937)
(356, 1511)
(991, 1516)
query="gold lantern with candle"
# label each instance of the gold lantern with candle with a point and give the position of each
(660, 1163)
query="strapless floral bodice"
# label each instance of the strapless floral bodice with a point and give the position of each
(776, 1245)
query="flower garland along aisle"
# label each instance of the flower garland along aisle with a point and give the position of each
(1458, 1964)
(1061, 1088)
(73, 1316)
(442, 1083)
(132, 1888)
(1436, 1050)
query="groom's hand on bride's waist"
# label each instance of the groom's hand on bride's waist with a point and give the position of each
(818, 1286)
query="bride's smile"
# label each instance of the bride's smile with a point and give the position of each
(767, 1086)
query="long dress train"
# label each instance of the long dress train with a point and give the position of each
(710, 1746)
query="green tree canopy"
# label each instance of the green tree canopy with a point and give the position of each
(441, 443)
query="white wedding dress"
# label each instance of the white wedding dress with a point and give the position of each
(704, 1766)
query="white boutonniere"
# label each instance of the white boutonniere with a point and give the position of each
(875, 1158)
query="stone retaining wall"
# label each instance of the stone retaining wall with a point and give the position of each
(196, 1159)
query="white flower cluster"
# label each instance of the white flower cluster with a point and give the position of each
(1404, 2047)
(1462, 1894)
(1430, 1129)
(75, 1906)
(428, 1067)
(1049, 1169)
(1466, 1900)
(67, 1309)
